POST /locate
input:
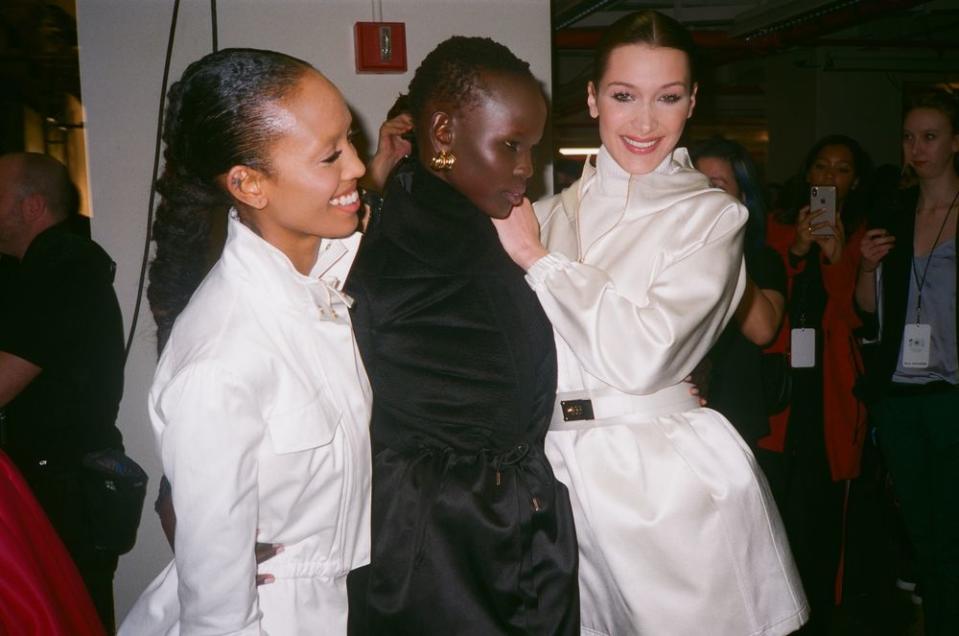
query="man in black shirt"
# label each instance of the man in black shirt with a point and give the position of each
(61, 354)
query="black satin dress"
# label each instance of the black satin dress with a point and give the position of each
(472, 533)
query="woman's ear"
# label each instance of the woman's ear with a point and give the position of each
(246, 185)
(692, 99)
(591, 99)
(441, 131)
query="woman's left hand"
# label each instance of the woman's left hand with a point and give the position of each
(519, 234)
(832, 244)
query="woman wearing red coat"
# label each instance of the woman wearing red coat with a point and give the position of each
(815, 444)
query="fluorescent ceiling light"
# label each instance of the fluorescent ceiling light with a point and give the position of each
(578, 152)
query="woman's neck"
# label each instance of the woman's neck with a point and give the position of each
(936, 194)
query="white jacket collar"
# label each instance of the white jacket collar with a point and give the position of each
(271, 273)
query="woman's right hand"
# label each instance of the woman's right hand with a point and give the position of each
(265, 552)
(390, 149)
(876, 243)
(519, 234)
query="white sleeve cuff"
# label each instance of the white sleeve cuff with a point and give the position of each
(542, 268)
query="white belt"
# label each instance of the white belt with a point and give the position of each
(577, 410)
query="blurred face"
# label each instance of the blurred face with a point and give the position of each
(493, 141)
(720, 174)
(642, 102)
(835, 166)
(311, 189)
(929, 143)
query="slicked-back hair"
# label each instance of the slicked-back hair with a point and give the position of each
(449, 76)
(647, 27)
(218, 115)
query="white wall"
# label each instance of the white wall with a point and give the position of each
(122, 47)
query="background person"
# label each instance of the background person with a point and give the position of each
(736, 374)
(913, 379)
(677, 533)
(61, 356)
(815, 444)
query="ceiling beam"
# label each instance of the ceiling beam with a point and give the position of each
(576, 12)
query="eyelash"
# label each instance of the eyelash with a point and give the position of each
(670, 98)
(353, 132)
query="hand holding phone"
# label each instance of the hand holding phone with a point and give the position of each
(822, 205)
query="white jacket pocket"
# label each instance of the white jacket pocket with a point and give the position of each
(309, 426)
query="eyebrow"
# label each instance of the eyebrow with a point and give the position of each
(628, 85)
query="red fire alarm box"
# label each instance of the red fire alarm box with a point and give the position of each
(380, 47)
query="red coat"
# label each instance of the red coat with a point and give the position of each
(844, 417)
(41, 591)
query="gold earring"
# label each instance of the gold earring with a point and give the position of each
(443, 161)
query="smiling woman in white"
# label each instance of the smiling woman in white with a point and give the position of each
(260, 403)
(677, 531)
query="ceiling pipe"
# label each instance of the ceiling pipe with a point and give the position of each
(578, 11)
(809, 31)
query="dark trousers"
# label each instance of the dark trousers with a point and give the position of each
(61, 497)
(919, 437)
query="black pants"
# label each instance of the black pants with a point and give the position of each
(919, 437)
(61, 497)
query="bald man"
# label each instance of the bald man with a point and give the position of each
(61, 355)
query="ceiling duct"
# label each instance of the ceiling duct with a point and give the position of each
(814, 17)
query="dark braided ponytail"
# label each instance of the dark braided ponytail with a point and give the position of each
(218, 116)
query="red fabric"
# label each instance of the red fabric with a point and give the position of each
(41, 592)
(844, 417)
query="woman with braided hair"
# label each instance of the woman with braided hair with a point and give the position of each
(260, 403)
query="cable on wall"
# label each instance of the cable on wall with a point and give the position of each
(144, 262)
(153, 178)
(216, 46)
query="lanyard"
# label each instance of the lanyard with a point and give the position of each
(921, 282)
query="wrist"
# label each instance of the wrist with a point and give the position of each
(530, 256)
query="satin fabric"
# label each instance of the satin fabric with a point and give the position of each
(41, 591)
(472, 534)
(677, 531)
(260, 407)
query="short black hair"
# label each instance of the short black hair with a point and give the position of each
(450, 74)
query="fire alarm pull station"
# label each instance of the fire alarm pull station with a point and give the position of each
(380, 47)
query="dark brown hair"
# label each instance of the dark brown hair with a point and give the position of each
(644, 27)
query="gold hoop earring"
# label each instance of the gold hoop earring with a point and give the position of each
(443, 161)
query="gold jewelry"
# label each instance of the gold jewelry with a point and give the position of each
(443, 161)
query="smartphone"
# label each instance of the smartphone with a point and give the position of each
(823, 199)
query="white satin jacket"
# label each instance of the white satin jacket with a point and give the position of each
(640, 282)
(261, 406)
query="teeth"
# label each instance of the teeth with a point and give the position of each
(639, 144)
(346, 199)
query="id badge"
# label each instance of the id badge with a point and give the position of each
(916, 344)
(802, 349)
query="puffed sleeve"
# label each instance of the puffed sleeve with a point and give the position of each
(212, 429)
(641, 348)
